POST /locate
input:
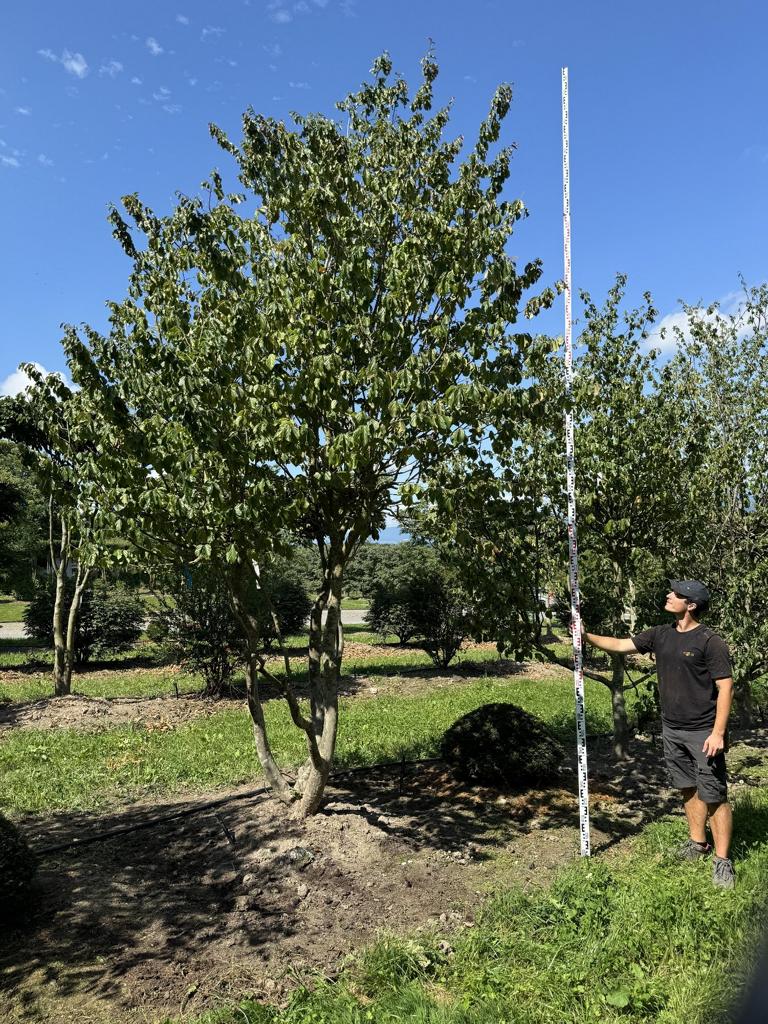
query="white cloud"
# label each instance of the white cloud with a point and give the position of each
(301, 7)
(161, 94)
(299, 85)
(135, 81)
(278, 13)
(112, 68)
(274, 50)
(211, 30)
(320, 3)
(172, 108)
(182, 19)
(154, 47)
(75, 64)
(44, 160)
(24, 111)
(18, 381)
(8, 161)
(674, 327)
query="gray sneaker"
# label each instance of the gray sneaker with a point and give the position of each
(723, 875)
(691, 850)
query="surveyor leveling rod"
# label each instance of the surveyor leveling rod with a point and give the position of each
(573, 548)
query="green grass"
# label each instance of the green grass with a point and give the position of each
(10, 610)
(55, 769)
(634, 940)
(355, 604)
(123, 681)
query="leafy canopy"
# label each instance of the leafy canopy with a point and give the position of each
(294, 358)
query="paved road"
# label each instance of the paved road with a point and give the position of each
(15, 630)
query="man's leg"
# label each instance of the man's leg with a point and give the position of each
(696, 812)
(721, 823)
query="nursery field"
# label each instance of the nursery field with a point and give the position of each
(171, 888)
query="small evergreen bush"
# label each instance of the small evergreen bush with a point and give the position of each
(500, 744)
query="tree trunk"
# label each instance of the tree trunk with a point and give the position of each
(274, 776)
(278, 783)
(326, 651)
(72, 620)
(62, 680)
(618, 708)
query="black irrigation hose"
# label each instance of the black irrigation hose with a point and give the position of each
(187, 812)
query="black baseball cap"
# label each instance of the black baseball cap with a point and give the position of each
(693, 589)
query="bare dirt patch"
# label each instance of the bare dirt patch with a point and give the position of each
(230, 901)
(91, 714)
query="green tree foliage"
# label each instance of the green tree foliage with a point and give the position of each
(23, 524)
(506, 532)
(111, 617)
(720, 376)
(44, 421)
(297, 357)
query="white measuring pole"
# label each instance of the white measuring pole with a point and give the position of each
(573, 549)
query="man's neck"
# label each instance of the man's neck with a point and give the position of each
(686, 622)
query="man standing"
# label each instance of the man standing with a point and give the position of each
(695, 687)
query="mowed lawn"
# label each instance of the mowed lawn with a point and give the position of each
(56, 769)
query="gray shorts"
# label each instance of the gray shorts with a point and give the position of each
(690, 768)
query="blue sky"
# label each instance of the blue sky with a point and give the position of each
(669, 138)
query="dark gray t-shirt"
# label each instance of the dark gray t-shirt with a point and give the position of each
(687, 665)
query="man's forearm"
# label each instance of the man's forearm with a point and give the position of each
(724, 699)
(609, 644)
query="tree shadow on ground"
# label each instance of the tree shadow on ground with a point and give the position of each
(136, 917)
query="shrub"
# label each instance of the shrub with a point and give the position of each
(500, 744)
(392, 612)
(415, 597)
(111, 617)
(17, 867)
(198, 629)
(290, 602)
(443, 615)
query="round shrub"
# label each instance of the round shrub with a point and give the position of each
(17, 867)
(111, 617)
(500, 744)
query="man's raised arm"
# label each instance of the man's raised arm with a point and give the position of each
(611, 644)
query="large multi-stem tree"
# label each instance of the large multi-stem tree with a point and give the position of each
(295, 358)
